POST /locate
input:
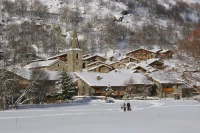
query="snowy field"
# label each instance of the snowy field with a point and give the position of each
(95, 116)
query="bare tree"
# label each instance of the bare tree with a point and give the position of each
(109, 92)
(130, 87)
(188, 54)
(21, 7)
(133, 88)
(38, 9)
(8, 88)
(36, 81)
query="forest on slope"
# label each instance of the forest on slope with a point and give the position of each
(38, 28)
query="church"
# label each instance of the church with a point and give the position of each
(71, 61)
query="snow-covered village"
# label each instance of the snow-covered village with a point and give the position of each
(96, 66)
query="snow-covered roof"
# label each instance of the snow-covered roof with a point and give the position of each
(113, 62)
(128, 57)
(186, 86)
(193, 78)
(122, 70)
(41, 63)
(92, 68)
(147, 68)
(114, 79)
(139, 49)
(148, 62)
(164, 51)
(77, 49)
(96, 62)
(53, 57)
(118, 15)
(155, 50)
(166, 77)
(26, 74)
(88, 57)
(131, 64)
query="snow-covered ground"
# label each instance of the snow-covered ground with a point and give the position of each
(94, 116)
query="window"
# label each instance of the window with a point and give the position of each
(76, 56)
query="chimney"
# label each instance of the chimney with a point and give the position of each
(98, 77)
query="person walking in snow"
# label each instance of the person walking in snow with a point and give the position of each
(124, 106)
(128, 107)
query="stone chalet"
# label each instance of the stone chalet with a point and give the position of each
(95, 84)
(165, 54)
(117, 64)
(93, 58)
(96, 63)
(128, 59)
(103, 68)
(168, 84)
(156, 63)
(149, 65)
(141, 54)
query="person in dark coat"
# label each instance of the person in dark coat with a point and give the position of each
(124, 106)
(128, 106)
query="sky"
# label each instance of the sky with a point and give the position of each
(97, 116)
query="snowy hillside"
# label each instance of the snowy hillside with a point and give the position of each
(103, 25)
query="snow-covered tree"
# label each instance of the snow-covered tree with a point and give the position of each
(189, 60)
(36, 82)
(66, 86)
(8, 88)
(109, 91)
(133, 88)
(130, 87)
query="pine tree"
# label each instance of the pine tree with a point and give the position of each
(109, 91)
(66, 85)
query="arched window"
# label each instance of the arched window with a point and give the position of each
(76, 56)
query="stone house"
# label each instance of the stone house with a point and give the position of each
(156, 51)
(102, 68)
(142, 69)
(62, 57)
(93, 58)
(23, 77)
(128, 59)
(95, 84)
(96, 63)
(156, 63)
(117, 65)
(188, 90)
(141, 54)
(168, 84)
(166, 54)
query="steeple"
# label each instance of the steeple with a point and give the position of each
(74, 55)
(74, 41)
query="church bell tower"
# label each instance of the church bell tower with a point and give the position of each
(74, 55)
